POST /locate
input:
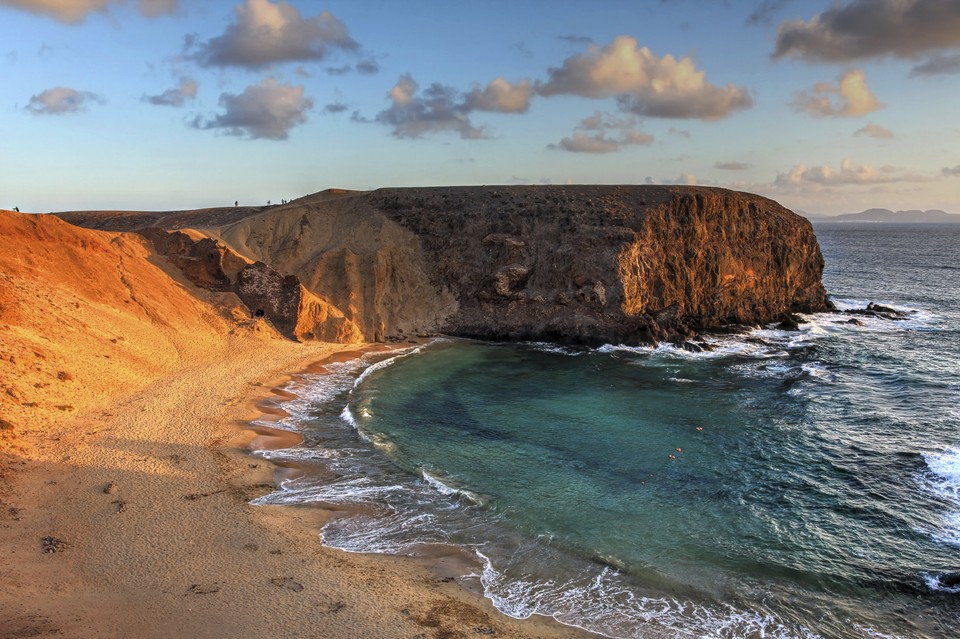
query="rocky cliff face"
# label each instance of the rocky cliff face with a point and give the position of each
(282, 299)
(579, 264)
(595, 264)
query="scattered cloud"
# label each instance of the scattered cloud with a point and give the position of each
(60, 101)
(175, 97)
(851, 97)
(687, 179)
(576, 39)
(874, 131)
(766, 11)
(154, 8)
(522, 49)
(938, 64)
(267, 110)
(265, 33)
(436, 109)
(586, 143)
(861, 29)
(600, 142)
(951, 171)
(76, 11)
(643, 83)
(440, 108)
(599, 121)
(364, 67)
(849, 174)
(368, 66)
(731, 166)
(335, 107)
(682, 133)
(500, 96)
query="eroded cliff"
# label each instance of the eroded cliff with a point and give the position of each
(580, 264)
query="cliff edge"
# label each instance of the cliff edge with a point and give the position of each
(574, 264)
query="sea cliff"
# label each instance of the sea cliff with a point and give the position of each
(572, 264)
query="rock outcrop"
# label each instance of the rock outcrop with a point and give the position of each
(577, 264)
(293, 310)
(282, 299)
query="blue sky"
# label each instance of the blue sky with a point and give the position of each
(166, 104)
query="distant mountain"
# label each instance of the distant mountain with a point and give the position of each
(898, 217)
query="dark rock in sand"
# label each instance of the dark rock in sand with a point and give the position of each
(52, 544)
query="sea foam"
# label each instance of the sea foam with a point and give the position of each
(943, 480)
(605, 604)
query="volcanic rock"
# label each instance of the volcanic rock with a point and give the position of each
(578, 264)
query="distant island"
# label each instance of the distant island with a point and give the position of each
(893, 217)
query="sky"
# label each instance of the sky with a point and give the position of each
(825, 106)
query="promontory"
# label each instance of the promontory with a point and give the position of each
(570, 264)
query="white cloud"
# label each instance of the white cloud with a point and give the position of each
(851, 97)
(265, 33)
(874, 131)
(687, 179)
(61, 100)
(951, 171)
(175, 97)
(862, 29)
(74, 11)
(501, 96)
(644, 83)
(849, 174)
(267, 110)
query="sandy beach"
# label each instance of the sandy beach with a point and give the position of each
(132, 520)
(125, 473)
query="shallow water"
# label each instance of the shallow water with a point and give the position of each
(784, 484)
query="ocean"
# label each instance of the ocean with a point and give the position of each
(781, 484)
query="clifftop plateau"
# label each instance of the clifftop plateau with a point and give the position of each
(574, 264)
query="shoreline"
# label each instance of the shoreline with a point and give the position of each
(445, 563)
(133, 519)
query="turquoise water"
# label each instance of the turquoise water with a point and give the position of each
(784, 484)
